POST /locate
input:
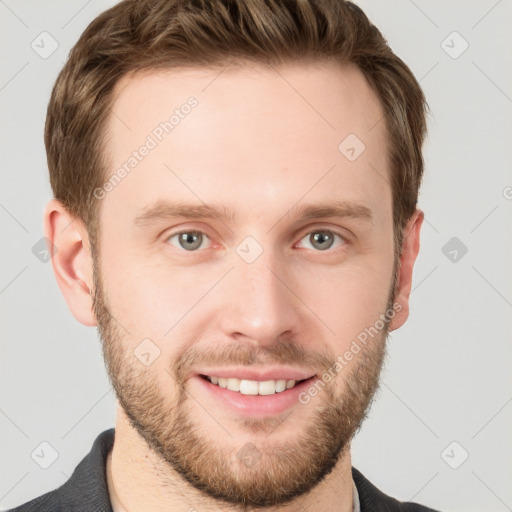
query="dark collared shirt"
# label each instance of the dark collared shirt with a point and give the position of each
(87, 489)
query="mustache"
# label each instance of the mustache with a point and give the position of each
(286, 352)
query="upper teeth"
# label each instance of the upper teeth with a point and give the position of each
(253, 387)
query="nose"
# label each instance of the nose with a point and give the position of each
(260, 305)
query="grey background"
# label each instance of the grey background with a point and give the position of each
(448, 375)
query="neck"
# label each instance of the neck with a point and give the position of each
(138, 479)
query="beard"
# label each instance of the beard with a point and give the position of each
(217, 467)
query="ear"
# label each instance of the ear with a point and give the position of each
(71, 259)
(410, 249)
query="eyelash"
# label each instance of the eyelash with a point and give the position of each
(317, 230)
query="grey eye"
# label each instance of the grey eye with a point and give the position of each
(322, 239)
(188, 240)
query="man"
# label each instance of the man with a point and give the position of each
(235, 209)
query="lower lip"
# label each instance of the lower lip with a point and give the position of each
(254, 405)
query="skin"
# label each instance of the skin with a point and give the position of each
(260, 147)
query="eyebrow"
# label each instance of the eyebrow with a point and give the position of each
(164, 210)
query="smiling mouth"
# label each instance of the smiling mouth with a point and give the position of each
(253, 387)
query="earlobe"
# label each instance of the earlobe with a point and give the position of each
(71, 259)
(410, 249)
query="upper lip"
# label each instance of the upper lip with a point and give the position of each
(268, 373)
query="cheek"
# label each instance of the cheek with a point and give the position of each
(349, 298)
(152, 300)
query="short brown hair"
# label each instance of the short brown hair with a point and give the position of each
(137, 35)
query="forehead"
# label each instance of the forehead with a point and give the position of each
(332, 98)
(250, 135)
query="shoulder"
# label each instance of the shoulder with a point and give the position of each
(372, 499)
(86, 490)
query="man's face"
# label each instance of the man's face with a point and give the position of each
(261, 294)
